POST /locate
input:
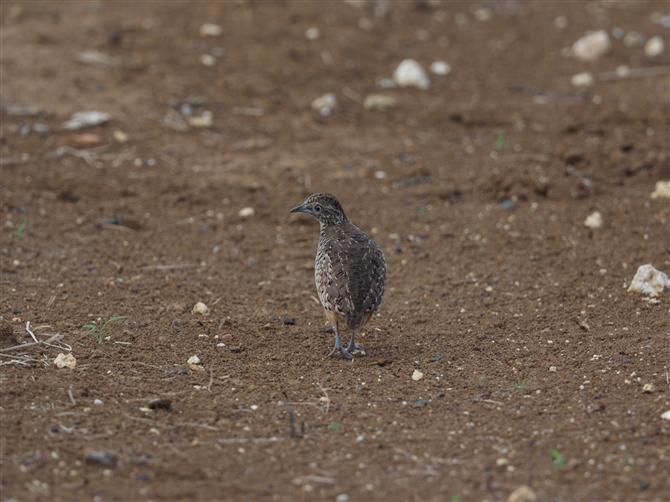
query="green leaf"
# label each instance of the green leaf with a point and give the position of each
(334, 426)
(559, 459)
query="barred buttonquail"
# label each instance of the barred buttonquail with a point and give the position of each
(350, 270)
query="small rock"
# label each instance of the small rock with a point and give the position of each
(483, 14)
(312, 34)
(325, 104)
(649, 281)
(80, 120)
(200, 308)
(594, 220)
(103, 457)
(210, 30)
(622, 71)
(195, 367)
(205, 120)
(65, 361)
(648, 388)
(42, 129)
(552, 369)
(523, 494)
(662, 190)
(666, 415)
(378, 102)
(289, 320)
(440, 68)
(502, 462)
(633, 39)
(160, 403)
(236, 350)
(245, 212)
(86, 140)
(120, 137)
(207, 60)
(96, 58)
(194, 360)
(410, 73)
(590, 47)
(583, 79)
(654, 47)
(97, 402)
(417, 375)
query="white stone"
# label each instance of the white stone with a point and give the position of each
(410, 73)
(207, 60)
(666, 415)
(200, 308)
(649, 281)
(622, 71)
(378, 102)
(561, 22)
(325, 104)
(84, 119)
(633, 39)
(245, 212)
(204, 120)
(65, 361)
(194, 360)
(594, 220)
(648, 388)
(483, 14)
(654, 47)
(583, 79)
(417, 375)
(210, 30)
(662, 190)
(440, 68)
(591, 46)
(312, 34)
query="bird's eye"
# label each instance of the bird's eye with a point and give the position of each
(318, 208)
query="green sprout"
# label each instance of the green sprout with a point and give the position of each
(98, 332)
(522, 384)
(21, 228)
(481, 383)
(630, 463)
(455, 497)
(559, 459)
(500, 141)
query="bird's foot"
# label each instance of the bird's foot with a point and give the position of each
(345, 353)
(355, 349)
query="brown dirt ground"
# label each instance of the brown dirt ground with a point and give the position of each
(493, 278)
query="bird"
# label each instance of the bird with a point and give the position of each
(349, 270)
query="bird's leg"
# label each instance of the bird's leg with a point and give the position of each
(353, 348)
(338, 344)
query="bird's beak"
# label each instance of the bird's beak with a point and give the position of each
(301, 209)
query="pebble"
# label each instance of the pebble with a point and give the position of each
(552, 369)
(633, 39)
(245, 212)
(440, 68)
(102, 457)
(207, 60)
(378, 102)
(666, 415)
(662, 190)
(654, 47)
(120, 137)
(312, 34)
(96, 58)
(590, 47)
(210, 30)
(342, 497)
(194, 360)
(325, 104)
(483, 14)
(65, 361)
(86, 140)
(253, 407)
(649, 281)
(594, 220)
(289, 320)
(80, 120)
(648, 388)
(200, 308)
(410, 73)
(204, 120)
(417, 375)
(583, 79)
(622, 71)
(160, 403)
(523, 494)
(97, 402)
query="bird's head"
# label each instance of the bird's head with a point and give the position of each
(324, 207)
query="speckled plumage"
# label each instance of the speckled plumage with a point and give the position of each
(349, 271)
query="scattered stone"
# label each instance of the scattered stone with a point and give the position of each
(194, 360)
(483, 14)
(160, 403)
(502, 462)
(552, 369)
(591, 46)
(207, 60)
(417, 375)
(65, 361)
(210, 30)
(410, 73)
(120, 137)
(80, 120)
(312, 34)
(325, 104)
(666, 415)
(622, 71)
(649, 281)
(633, 39)
(583, 79)
(594, 220)
(195, 367)
(378, 102)
(42, 129)
(561, 22)
(21, 110)
(96, 58)
(200, 308)
(648, 388)
(102, 457)
(440, 68)
(245, 212)
(236, 350)
(654, 47)
(289, 320)
(86, 140)
(523, 494)
(662, 190)
(97, 402)
(204, 120)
